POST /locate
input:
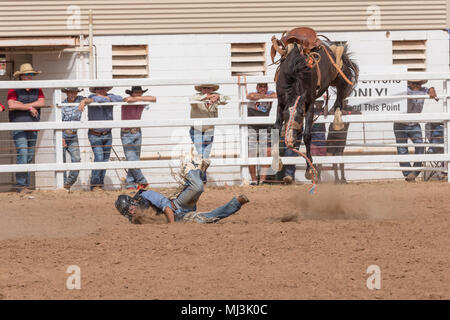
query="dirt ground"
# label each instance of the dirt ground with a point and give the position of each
(284, 244)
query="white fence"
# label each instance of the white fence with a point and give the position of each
(242, 121)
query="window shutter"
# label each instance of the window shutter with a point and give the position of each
(248, 59)
(411, 53)
(129, 61)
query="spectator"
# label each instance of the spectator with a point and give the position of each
(25, 106)
(436, 135)
(204, 105)
(132, 137)
(259, 138)
(412, 130)
(2, 107)
(337, 138)
(70, 136)
(318, 140)
(100, 139)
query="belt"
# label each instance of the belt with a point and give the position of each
(173, 205)
(99, 133)
(131, 130)
(70, 131)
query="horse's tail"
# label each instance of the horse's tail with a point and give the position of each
(351, 70)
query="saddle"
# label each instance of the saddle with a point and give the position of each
(304, 36)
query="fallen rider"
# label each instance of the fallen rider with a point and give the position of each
(153, 207)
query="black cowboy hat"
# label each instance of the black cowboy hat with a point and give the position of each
(135, 88)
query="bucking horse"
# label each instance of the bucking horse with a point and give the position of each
(307, 68)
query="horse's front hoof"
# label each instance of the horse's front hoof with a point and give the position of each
(308, 174)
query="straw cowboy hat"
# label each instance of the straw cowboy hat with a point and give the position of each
(215, 87)
(135, 88)
(421, 82)
(92, 89)
(25, 68)
(65, 90)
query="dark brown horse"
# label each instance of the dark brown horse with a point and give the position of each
(308, 67)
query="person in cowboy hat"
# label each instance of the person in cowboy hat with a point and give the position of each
(412, 130)
(183, 207)
(204, 105)
(25, 106)
(259, 137)
(70, 137)
(101, 138)
(132, 137)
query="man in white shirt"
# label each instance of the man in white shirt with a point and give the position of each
(204, 105)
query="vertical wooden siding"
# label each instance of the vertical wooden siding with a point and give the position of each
(113, 17)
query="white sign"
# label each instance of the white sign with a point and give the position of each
(379, 89)
(363, 95)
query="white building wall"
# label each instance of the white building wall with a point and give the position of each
(208, 55)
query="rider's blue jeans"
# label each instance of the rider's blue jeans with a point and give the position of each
(186, 202)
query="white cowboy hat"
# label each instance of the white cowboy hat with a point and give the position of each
(25, 68)
(92, 89)
(213, 86)
(65, 90)
(421, 82)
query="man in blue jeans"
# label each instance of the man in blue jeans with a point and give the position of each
(132, 137)
(25, 106)
(101, 138)
(412, 130)
(70, 136)
(183, 207)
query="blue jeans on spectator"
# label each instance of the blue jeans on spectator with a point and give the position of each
(203, 144)
(101, 145)
(132, 148)
(289, 170)
(73, 148)
(186, 202)
(403, 132)
(202, 141)
(25, 142)
(437, 136)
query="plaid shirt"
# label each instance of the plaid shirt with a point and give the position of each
(72, 113)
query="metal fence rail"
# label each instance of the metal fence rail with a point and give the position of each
(242, 121)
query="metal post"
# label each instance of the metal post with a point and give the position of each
(59, 175)
(91, 46)
(446, 127)
(245, 173)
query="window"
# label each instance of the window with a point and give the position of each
(248, 59)
(129, 61)
(411, 53)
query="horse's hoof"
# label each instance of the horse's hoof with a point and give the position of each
(343, 181)
(308, 174)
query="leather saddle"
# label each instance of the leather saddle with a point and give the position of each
(304, 36)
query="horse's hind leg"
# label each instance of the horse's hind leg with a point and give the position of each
(341, 166)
